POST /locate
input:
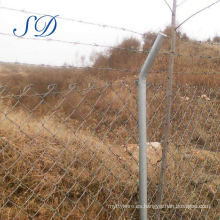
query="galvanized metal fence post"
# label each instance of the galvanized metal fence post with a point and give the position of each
(142, 118)
(168, 108)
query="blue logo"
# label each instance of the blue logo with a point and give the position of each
(48, 21)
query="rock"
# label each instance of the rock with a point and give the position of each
(205, 97)
(154, 155)
(184, 98)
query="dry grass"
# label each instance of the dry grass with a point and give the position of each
(63, 165)
(85, 168)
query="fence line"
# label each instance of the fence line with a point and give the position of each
(118, 48)
(88, 68)
(83, 44)
(75, 43)
(198, 42)
(69, 150)
(122, 159)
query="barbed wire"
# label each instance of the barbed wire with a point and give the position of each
(76, 43)
(88, 68)
(111, 47)
(193, 41)
(77, 21)
(196, 73)
(189, 112)
(197, 56)
(136, 73)
(84, 44)
(197, 41)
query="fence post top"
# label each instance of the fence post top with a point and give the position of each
(164, 35)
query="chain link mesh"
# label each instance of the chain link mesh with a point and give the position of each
(73, 154)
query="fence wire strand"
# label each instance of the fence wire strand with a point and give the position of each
(78, 21)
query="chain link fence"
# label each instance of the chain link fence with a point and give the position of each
(73, 153)
(69, 141)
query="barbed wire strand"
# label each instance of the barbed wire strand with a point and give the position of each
(198, 42)
(77, 21)
(84, 44)
(77, 43)
(111, 47)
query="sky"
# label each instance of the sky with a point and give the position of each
(139, 15)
